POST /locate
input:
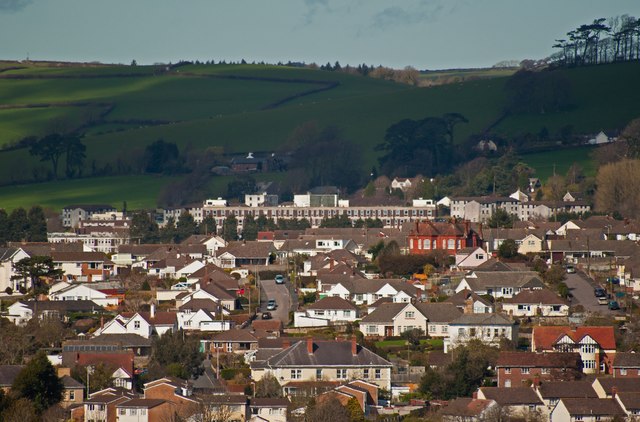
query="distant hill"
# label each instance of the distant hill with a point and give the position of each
(244, 108)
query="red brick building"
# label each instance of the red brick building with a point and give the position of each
(626, 365)
(519, 369)
(428, 236)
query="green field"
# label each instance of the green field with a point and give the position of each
(560, 160)
(244, 108)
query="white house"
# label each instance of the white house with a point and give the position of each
(144, 324)
(488, 328)
(8, 258)
(203, 315)
(401, 183)
(84, 292)
(532, 303)
(392, 319)
(586, 410)
(326, 311)
(468, 258)
(364, 291)
(500, 284)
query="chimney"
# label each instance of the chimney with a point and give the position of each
(286, 343)
(63, 371)
(468, 305)
(152, 311)
(475, 395)
(536, 381)
(614, 392)
(310, 345)
(354, 346)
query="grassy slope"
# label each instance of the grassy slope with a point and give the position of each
(546, 162)
(217, 110)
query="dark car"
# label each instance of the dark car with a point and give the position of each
(266, 315)
(599, 292)
(613, 305)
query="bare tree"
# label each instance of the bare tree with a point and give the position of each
(614, 191)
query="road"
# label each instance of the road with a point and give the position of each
(279, 292)
(581, 287)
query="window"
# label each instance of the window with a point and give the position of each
(319, 313)
(451, 244)
(589, 364)
(229, 347)
(136, 325)
(318, 374)
(445, 328)
(346, 313)
(409, 314)
(578, 417)
(372, 329)
(461, 331)
(545, 370)
(133, 412)
(122, 411)
(432, 328)
(507, 383)
(479, 256)
(588, 348)
(507, 370)
(378, 374)
(341, 374)
(365, 373)
(472, 332)
(623, 371)
(143, 412)
(525, 370)
(296, 374)
(427, 244)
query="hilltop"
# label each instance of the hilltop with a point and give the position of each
(242, 108)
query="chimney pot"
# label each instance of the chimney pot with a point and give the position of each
(354, 346)
(286, 344)
(153, 310)
(310, 345)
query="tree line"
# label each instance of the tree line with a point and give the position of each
(20, 225)
(601, 41)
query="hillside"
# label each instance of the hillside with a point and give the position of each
(245, 108)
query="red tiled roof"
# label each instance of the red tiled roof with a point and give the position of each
(545, 337)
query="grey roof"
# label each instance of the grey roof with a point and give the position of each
(325, 353)
(270, 402)
(482, 319)
(622, 385)
(496, 279)
(459, 298)
(511, 396)
(369, 286)
(62, 305)
(70, 383)
(333, 302)
(248, 249)
(8, 373)
(439, 312)
(384, 313)
(631, 401)
(537, 296)
(242, 336)
(566, 389)
(7, 253)
(124, 340)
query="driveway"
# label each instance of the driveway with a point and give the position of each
(581, 287)
(279, 292)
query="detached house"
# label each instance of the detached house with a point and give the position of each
(488, 328)
(144, 324)
(85, 292)
(471, 303)
(469, 258)
(251, 253)
(364, 291)
(392, 319)
(500, 284)
(596, 345)
(324, 360)
(451, 237)
(9, 257)
(84, 266)
(532, 303)
(326, 311)
(586, 410)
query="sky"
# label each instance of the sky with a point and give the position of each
(425, 34)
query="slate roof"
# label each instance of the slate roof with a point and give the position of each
(370, 286)
(197, 304)
(631, 401)
(325, 353)
(7, 253)
(626, 360)
(459, 299)
(8, 374)
(537, 296)
(79, 257)
(70, 383)
(124, 340)
(233, 336)
(384, 313)
(227, 399)
(160, 318)
(333, 302)
(511, 396)
(438, 312)
(438, 358)
(482, 319)
(248, 249)
(144, 249)
(496, 279)
(492, 265)
(538, 360)
(62, 305)
(545, 337)
(269, 402)
(591, 406)
(566, 389)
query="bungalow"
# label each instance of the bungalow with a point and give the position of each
(212, 292)
(491, 329)
(249, 253)
(225, 407)
(325, 360)
(234, 341)
(596, 345)
(500, 284)
(536, 303)
(392, 319)
(326, 311)
(21, 312)
(467, 409)
(364, 291)
(85, 292)
(521, 369)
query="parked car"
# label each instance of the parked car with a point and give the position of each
(266, 315)
(613, 305)
(599, 292)
(602, 300)
(271, 304)
(279, 279)
(613, 280)
(571, 269)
